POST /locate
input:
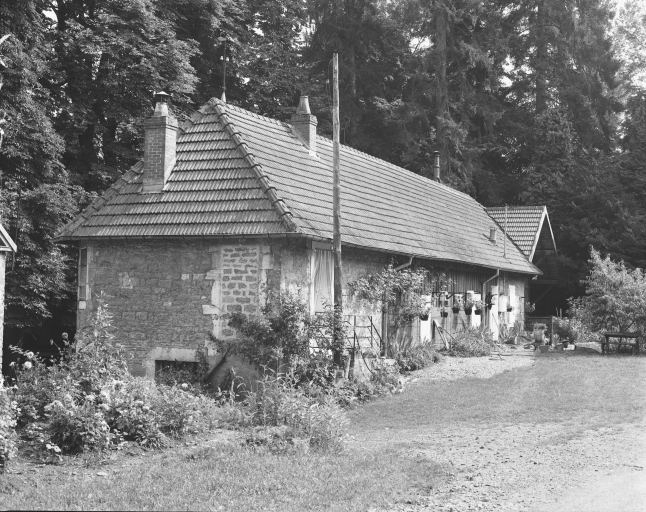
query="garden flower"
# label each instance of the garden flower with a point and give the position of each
(27, 365)
(29, 355)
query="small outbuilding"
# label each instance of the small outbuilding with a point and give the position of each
(7, 246)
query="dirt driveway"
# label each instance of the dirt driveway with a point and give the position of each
(547, 433)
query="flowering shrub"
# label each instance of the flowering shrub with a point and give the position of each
(76, 427)
(88, 401)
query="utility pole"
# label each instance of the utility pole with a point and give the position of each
(336, 214)
(504, 237)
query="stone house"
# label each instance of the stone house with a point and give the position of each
(7, 246)
(231, 205)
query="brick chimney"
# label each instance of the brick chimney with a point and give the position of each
(159, 145)
(304, 124)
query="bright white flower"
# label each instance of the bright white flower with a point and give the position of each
(29, 355)
(184, 385)
(27, 365)
(90, 398)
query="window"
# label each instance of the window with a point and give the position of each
(178, 372)
(322, 279)
(82, 289)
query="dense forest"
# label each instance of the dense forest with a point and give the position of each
(528, 102)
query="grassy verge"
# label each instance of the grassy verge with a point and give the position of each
(220, 477)
(560, 387)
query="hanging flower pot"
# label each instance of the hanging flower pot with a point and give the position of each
(468, 311)
(478, 312)
(444, 314)
(456, 309)
(509, 309)
(424, 316)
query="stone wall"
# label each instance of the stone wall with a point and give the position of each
(155, 292)
(167, 296)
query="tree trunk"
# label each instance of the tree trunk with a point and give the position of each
(441, 90)
(541, 57)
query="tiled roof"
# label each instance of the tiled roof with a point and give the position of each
(6, 243)
(239, 173)
(524, 225)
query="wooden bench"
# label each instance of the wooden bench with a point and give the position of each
(619, 339)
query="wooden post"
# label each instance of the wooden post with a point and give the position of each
(336, 213)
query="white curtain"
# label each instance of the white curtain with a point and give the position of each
(322, 278)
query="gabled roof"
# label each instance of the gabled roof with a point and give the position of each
(524, 225)
(242, 174)
(6, 243)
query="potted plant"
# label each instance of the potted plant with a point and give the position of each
(509, 308)
(424, 315)
(456, 307)
(530, 307)
(468, 307)
(444, 313)
(477, 306)
(539, 334)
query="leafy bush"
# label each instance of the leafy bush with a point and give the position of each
(278, 401)
(385, 375)
(88, 401)
(398, 291)
(417, 357)
(615, 296)
(277, 335)
(7, 428)
(77, 427)
(38, 386)
(471, 342)
(354, 391)
(573, 329)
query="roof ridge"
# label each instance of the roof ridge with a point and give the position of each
(220, 103)
(268, 189)
(517, 207)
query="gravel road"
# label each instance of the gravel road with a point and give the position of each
(547, 467)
